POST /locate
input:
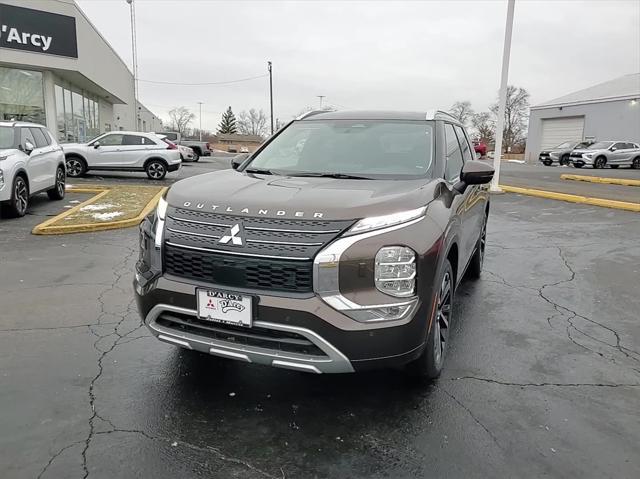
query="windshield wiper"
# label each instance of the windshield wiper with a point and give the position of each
(260, 171)
(342, 176)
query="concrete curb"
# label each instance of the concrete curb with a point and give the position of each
(552, 195)
(47, 227)
(600, 179)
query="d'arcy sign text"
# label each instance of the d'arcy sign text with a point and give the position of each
(37, 31)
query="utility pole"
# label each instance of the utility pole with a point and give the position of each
(270, 93)
(200, 129)
(134, 59)
(502, 98)
(321, 97)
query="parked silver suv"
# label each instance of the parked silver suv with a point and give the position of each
(31, 161)
(608, 153)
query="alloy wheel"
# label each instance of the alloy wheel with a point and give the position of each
(636, 164)
(443, 315)
(60, 181)
(21, 195)
(74, 167)
(156, 170)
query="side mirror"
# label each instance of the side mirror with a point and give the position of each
(478, 155)
(474, 173)
(613, 148)
(237, 160)
(28, 147)
(96, 144)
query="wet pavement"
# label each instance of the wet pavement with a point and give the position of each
(543, 377)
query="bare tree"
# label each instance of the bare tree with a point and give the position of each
(180, 118)
(462, 111)
(515, 117)
(484, 126)
(253, 122)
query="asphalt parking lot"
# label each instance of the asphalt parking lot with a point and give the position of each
(543, 378)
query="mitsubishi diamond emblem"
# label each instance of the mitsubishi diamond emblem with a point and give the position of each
(233, 236)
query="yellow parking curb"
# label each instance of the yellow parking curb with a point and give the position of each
(47, 227)
(600, 179)
(552, 195)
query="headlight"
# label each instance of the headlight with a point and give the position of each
(395, 271)
(377, 222)
(161, 209)
(588, 155)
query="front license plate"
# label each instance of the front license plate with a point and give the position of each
(224, 307)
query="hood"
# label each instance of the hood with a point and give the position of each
(235, 193)
(8, 152)
(72, 145)
(583, 150)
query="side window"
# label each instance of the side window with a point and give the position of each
(26, 135)
(47, 136)
(132, 140)
(464, 144)
(629, 145)
(454, 155)
(619, 146)
(41, 141)
(111, 140)
(148, 141)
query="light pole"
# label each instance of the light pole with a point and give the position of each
(200, 103)
(502, 98)
(321, 97)
(134, 57)
(269, 67)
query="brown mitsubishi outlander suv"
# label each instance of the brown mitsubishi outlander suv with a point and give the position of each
(336, 247)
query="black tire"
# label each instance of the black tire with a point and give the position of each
(599, 162)
(76, 166)
(636, 163)
(17, 206)
(614, 166)
(475, 266)
(196, 156)
(577, 165)
(564, 160)
(429, 364)
(547, 163)
(57, 192)
(156, 169)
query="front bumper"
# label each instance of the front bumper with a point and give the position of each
(174, 166)
(298, 332)
(582, 161)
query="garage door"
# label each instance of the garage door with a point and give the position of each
(558, 130)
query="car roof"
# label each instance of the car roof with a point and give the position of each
(21, 123)
(377, 115)
(122, 132)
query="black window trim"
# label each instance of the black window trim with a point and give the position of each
(452, 181)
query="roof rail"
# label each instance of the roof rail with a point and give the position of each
(440, 115)
(310, 113)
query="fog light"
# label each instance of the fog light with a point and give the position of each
(395, 271)
(391, 312)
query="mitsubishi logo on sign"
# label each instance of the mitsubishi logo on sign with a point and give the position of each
(233, 236)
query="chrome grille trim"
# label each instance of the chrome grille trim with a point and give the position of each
(236, 253)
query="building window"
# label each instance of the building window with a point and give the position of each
(77, 115)
(21, 95)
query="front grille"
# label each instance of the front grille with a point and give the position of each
(242, 272)
(275, 253)
(576, 155)
(256, 336)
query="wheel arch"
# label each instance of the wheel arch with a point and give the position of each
(454, 257)
(196, 149)
(21, 171)
(159, 158)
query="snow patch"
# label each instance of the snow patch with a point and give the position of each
(97, 207)
(107, 216)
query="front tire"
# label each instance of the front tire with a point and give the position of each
(19, 202)
(599, 162)
(57, 193)
(429, 364)
(196, 156)
(547, 163)
(577, 165)
(76, 166)
(156, 170)
(475, 266)
(564, 160)
(636, 163)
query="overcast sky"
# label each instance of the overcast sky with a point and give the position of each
(366, 54)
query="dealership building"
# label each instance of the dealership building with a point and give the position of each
(606, 111)
(56, 69)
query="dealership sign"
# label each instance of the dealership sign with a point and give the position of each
(37, 31)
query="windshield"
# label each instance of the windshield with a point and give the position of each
(566, 144)
(7, 138)
(365, 148)
(601, 145)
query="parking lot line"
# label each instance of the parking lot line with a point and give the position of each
(600, 179)
(552, 195)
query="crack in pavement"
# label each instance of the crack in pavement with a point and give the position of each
(55, 456)
(547, 384)
(50, 328)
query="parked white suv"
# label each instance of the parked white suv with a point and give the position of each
(123, 151)
(31, 161)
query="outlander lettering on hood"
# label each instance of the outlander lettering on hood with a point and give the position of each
(336, 247)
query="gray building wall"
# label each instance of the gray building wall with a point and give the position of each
(97, 70)
(607, 120)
